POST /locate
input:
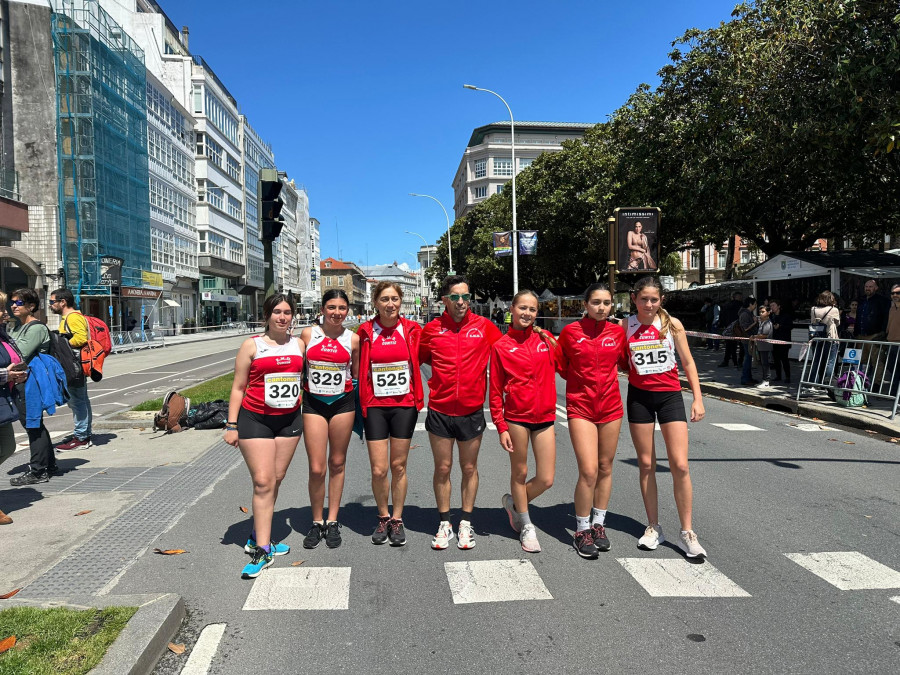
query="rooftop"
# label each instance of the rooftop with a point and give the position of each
(541, 127)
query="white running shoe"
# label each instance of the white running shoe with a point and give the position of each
(465, 539)
(529, 539)
(442, 538)
(687, 542)
(510, 508)
(763, 385)
(652, 538)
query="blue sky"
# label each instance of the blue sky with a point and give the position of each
(363, 101)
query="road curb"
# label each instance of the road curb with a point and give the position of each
(142, 642)
(819, 411)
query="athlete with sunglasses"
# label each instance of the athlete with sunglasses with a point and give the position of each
(457, 346)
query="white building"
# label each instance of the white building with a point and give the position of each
(486, 164)
(406, 280)
(257, 154)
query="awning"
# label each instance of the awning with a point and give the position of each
(170, 303)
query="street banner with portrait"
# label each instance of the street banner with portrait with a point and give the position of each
(637, 232)
(528, 242)
(502, 244)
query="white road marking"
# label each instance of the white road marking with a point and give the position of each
(144, 384)
(491, 426)
(737, 427)
(656, 427)
(848, 570)
(563, 416)
(420, 426)
(806, 426)
(677, 578)
(301, 588)
(494, 581)
(204, 650)
(896, 599)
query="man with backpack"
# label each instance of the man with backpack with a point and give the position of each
(74, 327)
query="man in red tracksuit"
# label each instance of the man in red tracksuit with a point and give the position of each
(457, 345)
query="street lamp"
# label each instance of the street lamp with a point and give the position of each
(449, 253)
(512, 143)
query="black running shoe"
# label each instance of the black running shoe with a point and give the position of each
(396, 532)
(30, 478)
(380, 535)
(598, 534)
(332, 534)
(584, 545)
(314, 536)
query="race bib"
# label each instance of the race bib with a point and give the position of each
(390, 379)
(326, 378)
(283, 390)
(650, 357)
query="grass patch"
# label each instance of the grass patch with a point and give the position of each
(211, 390)
(59, 641)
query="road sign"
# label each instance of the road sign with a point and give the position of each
(852, 355)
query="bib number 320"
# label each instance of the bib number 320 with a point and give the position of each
(282, 390)
(390, 379)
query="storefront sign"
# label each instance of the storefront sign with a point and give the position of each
(218, 297)
(132, 292)
(110, 270)
(152, 279)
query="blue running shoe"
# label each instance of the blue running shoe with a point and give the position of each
(276, 546)
(260, 561)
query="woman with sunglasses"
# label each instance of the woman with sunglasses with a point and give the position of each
(12, 371)
(523, 407)
(32, 337)
(390, 393)
(329, 409)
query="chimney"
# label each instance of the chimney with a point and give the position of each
(184, 36)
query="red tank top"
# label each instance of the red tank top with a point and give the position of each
(651, 358)
(328, 363)
(390, 358)
(276, 372)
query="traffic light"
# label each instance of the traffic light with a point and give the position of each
(270, 205)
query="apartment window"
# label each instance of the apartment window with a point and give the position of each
(216, 245)
(695, 260)
(234, 207)
(503, 166)
(525, 162)
(723, 259)
(340, 281)
(234, 169)
(198, 98)
(200, 146)
(480, 168)
(480, 192)
(214, 152)
(745, 256)
(214, 197)
(499, 189)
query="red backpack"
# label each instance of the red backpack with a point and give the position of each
(98, 347)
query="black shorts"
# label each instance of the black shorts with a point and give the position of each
(259, 425)
(462, 428)
(646, 407)
(532, 426)
(397, 421)
(313, 406)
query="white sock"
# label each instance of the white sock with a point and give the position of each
(524, 518)
(582, 523)
(598, 516)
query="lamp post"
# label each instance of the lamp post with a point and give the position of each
(512, 144)
(449, 252)
(427, 264)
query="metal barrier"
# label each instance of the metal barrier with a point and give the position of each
(130, 341)
(835, 365)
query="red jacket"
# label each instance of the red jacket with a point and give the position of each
(413, 334)
(589, 357)
(458, 354)
(523, 367)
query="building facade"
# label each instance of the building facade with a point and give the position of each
(407, 281)
(486, 165)
(347, 277)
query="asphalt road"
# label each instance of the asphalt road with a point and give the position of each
(130, 378)
(762, 494)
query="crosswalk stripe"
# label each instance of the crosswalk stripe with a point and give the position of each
(494, 581)
(807, 426)
(300, 588)
(848, 570)
(201, 656)
(736, 427)
(677, 578)
(896, 599)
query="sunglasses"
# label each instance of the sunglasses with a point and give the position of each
(895, 293)
(456, 297)
(18, 303)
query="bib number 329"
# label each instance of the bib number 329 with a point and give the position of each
(282, 390)
(651, 357)
(325, 378)
(390, 379)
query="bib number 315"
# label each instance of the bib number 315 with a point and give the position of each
(651, 357)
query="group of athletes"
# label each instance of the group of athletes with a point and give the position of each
(320, 381)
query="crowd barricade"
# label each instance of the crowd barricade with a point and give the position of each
(847, 367)
(130, 341)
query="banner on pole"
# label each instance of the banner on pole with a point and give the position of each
(502, 244)
(528, 242)
(637, 230)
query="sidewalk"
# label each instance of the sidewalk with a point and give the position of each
(726, 383)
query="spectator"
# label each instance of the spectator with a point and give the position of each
(764, 348)
(747, 321)
(850, 319)
(74, 328)
(32, 338)
(10, 373)
(727, 316)
(893, 335)
(825, 315)
(782, 324)
(710, 313)
(872, 313)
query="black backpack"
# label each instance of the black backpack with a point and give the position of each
(62, 352)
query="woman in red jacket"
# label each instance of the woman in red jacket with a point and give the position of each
(390, 393)
(590, 353)
(523, 407)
